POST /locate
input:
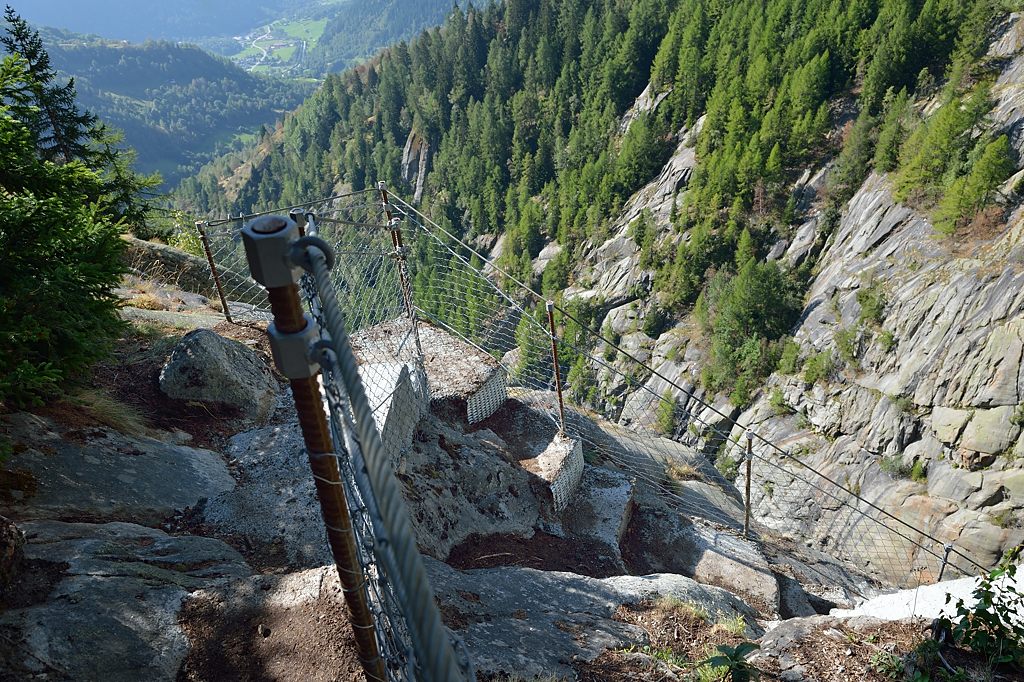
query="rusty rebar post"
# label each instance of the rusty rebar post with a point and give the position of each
(289, 333)
(746, 501)
(558, 370)
(213, 269)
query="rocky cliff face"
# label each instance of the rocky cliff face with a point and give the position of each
(921, 413)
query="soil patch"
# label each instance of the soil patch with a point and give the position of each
(543, 551)
(297, 643)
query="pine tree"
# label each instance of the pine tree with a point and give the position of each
(61, 131)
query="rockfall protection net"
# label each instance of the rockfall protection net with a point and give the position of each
(670, 444)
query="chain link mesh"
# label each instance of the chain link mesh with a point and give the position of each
(460, 291)
(457, 290)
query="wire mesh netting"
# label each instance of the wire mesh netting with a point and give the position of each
(626, 414)
(457, 289)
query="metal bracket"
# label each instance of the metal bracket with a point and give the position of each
(268, 241)
(292, 352)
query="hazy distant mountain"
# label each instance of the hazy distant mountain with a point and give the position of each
(140, 20)
(177, 105)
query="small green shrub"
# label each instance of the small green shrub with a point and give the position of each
(1018, 416)
(886, 340)
(778, 402)
(918, 472)
(789, 359)
(733, 661)
(872, 303)
(992, 627)
(819, 367)
(666, 421)
(888, 665)
(846, 342)
(894, 466)
(727, 466)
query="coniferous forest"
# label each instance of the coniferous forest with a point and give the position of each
(521, 105)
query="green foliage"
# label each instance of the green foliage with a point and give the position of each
(744, 316)
(846, 343)
(969, 194)
(919, 472)
(871, 298)
(887, 340)
(945, 161)
(896, 123)
(894, 466)
(654, 322)
(992, 627)
(888, 665)
(733, 661)
(789, 358)
(778, 403)
(727, 466)
(60, 256)
(667, 420)
(819, 367)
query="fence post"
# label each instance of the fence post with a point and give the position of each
(394, 225)
(558, 370)
(746, 502)
(213, 269)
(267, 243)
(945, 560)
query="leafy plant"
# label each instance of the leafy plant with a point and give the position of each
(667, 420)
(894, 466)
(734, 660)
(846, 342)
(887, 665)
(992, 626)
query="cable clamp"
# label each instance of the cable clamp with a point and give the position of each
(293, 353)
(299, 255)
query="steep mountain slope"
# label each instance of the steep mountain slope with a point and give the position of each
(358, 29)
(701, 219)
(177, 105)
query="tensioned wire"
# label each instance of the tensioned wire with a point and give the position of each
(416, 217)
(411, 212)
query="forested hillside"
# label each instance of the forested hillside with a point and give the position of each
(177, 105)
(521, 105)
(358, 29)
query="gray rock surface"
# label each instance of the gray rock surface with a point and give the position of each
(206, 367)
(104, 601)
(661, 540)
(97, 473)
(534, 623)
(601, 509)
(275, 501)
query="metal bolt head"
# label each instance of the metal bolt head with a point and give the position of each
(268, 224)
(267, 243)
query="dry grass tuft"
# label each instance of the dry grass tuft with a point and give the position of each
(103, 408)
